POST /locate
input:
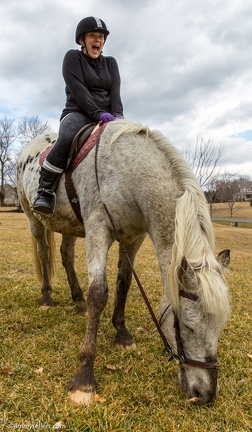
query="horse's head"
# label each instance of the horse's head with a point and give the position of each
(193, 327)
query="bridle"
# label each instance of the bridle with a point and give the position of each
(178, 356)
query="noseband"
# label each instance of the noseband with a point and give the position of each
(180, 356)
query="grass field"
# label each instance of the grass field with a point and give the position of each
(138, 390)
(241, 210)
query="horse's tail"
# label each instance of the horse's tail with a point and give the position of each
(51, 265)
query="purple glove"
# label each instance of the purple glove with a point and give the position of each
(105, 117)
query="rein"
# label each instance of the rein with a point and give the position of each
(179, 356)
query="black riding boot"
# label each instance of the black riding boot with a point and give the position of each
(46, 199)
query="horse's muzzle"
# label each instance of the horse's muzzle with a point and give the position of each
(200, 386)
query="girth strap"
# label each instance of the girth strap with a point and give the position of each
(72, 195)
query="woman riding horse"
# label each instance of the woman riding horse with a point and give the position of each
(92, 95)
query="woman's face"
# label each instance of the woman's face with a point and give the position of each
(94, 42)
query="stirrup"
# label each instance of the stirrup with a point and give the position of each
(53, 203)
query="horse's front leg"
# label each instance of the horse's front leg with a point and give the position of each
(123, 337)
(82, 386)
(67, 250)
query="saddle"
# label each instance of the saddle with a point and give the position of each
(78, 142)
(83, 142)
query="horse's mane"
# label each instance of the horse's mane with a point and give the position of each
(194, 240)
(193, 237)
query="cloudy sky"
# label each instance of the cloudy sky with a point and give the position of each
(186, 66)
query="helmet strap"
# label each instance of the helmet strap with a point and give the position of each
(84, 50)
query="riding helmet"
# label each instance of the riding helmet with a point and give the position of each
(90, 24)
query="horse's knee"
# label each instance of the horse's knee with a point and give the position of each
(97, 297)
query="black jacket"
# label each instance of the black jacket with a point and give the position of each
(92, 85)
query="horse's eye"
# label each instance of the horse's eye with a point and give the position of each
(189, 328)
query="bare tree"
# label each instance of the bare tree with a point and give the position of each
(7, 138)
(203, 158)
(31, 127)
(11, 137)
(226, 187)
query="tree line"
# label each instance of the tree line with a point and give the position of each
(219, 186)
(12, 140)
(204, 158)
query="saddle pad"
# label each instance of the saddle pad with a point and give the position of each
(87, 146)
(85, 149)
(45, 154)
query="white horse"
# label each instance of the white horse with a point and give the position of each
(147, 187)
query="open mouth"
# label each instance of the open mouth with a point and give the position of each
(96, 48)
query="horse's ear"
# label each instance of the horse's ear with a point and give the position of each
(184, 264)
(223, 258)
(185, 271)
(182, 270)
(185, 268)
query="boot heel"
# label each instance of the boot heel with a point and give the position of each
(45, 203)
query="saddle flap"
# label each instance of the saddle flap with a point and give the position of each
(80, 138)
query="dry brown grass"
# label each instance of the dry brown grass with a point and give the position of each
(142, 393)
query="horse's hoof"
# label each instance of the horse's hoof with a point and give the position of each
(44, 307)
(79, 397)
(125, 347)
(46, 301)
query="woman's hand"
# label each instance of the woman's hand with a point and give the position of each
(106, 117)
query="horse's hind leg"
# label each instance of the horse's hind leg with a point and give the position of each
(123, 338)
(43, 251)
(67, 250)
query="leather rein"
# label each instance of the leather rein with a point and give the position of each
(178, 356)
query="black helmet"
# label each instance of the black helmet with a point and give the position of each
(90, 24)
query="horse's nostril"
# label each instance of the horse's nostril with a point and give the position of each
(203, 398)
(198, 397)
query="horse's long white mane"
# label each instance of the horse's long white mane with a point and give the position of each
(194, 237)
(194, 240)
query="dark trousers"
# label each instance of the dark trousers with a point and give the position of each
(69, 126)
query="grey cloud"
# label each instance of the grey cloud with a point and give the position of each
(178, 61)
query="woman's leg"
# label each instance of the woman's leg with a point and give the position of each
(56, 162)
(69, 127)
